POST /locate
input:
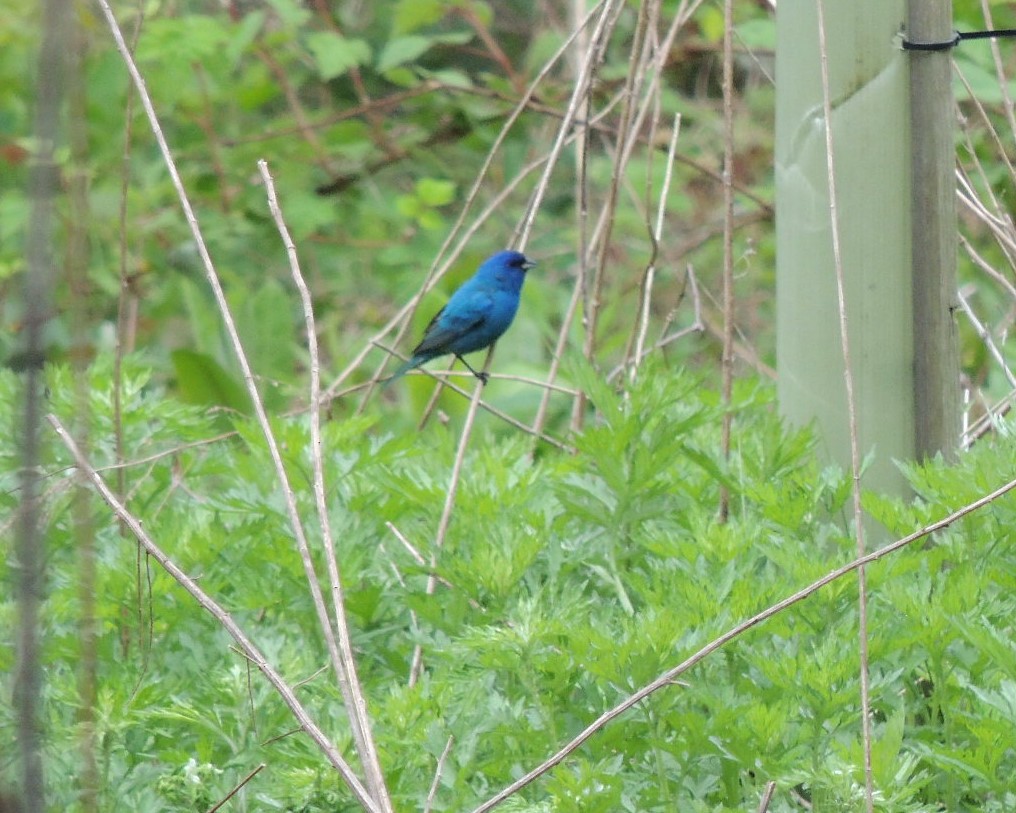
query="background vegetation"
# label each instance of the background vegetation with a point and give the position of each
(583, 556)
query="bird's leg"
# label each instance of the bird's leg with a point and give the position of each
(484, 377)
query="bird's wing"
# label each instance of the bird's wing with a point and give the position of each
(465, 312)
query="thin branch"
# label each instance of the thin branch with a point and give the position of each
(625, 141)
(985, 336)
(574, 104)
(997, 276)
(668, 677)
(246, 646)
(848, 377)
(237, 345)
(767, 797)
(237, 789)
(352, 691)
(449, 504)
(488, 407)
(418, 558)
(437, 774)
(697, 326)
(642, 328)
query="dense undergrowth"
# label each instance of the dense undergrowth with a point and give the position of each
(570, 580)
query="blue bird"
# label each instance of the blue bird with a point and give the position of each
(476, 316)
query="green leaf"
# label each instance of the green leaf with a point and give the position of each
(710, 20)
(758, 33)
(334, 54)
(244, 34)
(292, 13)
(202, 381)
(187, 39)
(412, 15)
(401, 50)
(435, 192)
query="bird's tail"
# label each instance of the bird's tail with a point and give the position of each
(403, 368)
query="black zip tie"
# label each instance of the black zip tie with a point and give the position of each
(957, 38)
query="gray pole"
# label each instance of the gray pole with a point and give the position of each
(933, 206)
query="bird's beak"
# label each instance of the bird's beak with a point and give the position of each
(528, 264)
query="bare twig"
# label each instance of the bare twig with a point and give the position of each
(246, 646)
(985, 336)
(668, 677)
(446, 511)
(418, 558)
(493, 410)
(855, 446)
(352, 691)
(237, 789)
(220, 297)
(437, 774)
(697, 326)
(767, 797)
(642, 325)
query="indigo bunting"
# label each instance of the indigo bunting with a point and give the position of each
(477, 314)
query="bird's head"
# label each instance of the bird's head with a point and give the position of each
(507, 263)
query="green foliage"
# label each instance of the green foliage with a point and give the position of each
(567, 583)
(568, 580)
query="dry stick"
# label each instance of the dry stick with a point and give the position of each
(684, 12)
(767, 797)
(249, 650)
(76, 263)
(152, 458)
(303, 122)
(848, 379)
(437, 774)
(657, 236)
(446, 512)
(1000, 68)
(1000, 228)
(489, 407)
(997, 276)
(625, 139)
(237, 789)
(727, 358)
(524, 231)
(1000, 222)
(1001, 151)
(697, 326)
(989, 420)
(985, 336)
(349, 683)
(668, 677)
(444, 375)
(1000, 212)
(645, 209)
(414, 623)
(418, 558)
(579, 107)
(574, 104)
(227, 319)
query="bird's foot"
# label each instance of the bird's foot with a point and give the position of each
(484, 377)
